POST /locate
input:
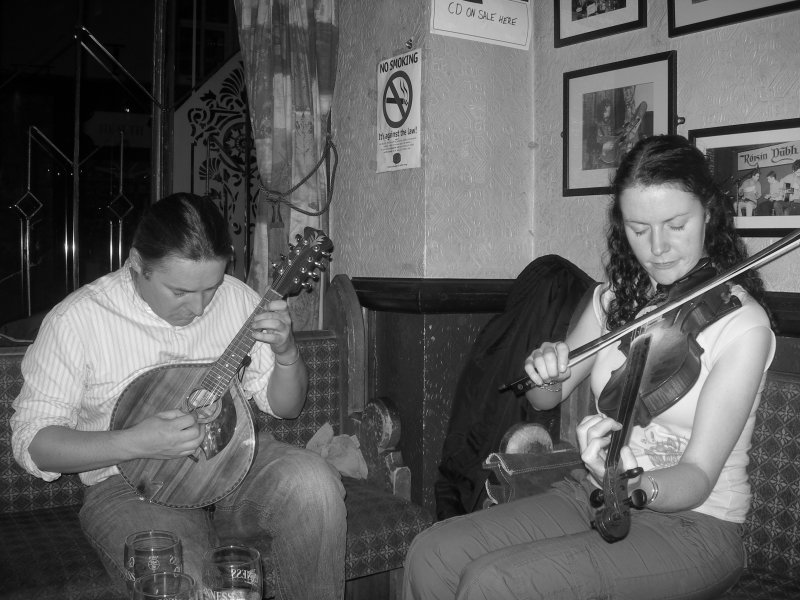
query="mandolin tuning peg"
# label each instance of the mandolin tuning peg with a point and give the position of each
(306, 286)
(320, 266)
(283, 257)
(315, 276)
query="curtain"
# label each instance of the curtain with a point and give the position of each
(289, 54)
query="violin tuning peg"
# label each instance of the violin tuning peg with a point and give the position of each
(638, 498)
(632, 473)
(597, 498)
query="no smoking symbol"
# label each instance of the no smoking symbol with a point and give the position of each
(397, 99)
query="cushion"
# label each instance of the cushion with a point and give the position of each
(20, 491)
(377, 540)
(44, 555)
(772, 529)
(757, 584)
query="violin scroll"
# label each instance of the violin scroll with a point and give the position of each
(613, 520)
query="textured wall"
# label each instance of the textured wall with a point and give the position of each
(488, 196)
(742, 73)
(466, 211)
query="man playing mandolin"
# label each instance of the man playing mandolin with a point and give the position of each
(172, 306)
(684, 464)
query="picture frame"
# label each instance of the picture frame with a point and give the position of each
(581, 20)
(690, 16)
(735, 152)
(608, 108)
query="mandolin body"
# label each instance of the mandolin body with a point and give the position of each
(186, 482)
(212, 393)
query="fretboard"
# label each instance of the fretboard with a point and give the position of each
(222, 372)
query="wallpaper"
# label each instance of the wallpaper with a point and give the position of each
(741, 73)
(465, 212)
(487, 198)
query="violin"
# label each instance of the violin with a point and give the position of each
(674, 365)
(662, 364)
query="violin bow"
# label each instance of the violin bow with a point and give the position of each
(783, 246)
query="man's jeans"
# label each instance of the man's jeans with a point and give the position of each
(290, 494)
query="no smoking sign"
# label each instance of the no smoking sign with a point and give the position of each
(398, 124)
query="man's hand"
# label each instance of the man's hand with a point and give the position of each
(168, 434)
(274, 327)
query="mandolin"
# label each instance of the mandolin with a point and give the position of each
(212, 392)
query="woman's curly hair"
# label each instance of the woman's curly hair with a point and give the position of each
(670, 160)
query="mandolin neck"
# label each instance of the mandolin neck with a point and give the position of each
(222, 372)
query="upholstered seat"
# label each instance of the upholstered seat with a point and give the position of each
(44, 554)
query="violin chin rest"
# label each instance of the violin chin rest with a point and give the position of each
(526, 438)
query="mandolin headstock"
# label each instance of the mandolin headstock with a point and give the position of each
(305, 258)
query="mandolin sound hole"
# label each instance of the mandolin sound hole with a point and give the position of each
(204, 404)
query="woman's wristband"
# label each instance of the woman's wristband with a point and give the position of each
(640, 499)
(654, 494)
(553, 386)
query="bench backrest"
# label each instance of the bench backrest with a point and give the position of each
(772, 530)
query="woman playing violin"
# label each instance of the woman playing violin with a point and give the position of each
(667, 215)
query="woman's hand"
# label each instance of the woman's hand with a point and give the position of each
(548, 363)
(594, 436)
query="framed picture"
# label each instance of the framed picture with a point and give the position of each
(581, 20)
(688, 16)
(607, 109)
(758, 167)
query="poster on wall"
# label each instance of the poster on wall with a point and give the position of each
(502, 22)
(689, 16)
(398, 132)
(607, 109)
(757, 166)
